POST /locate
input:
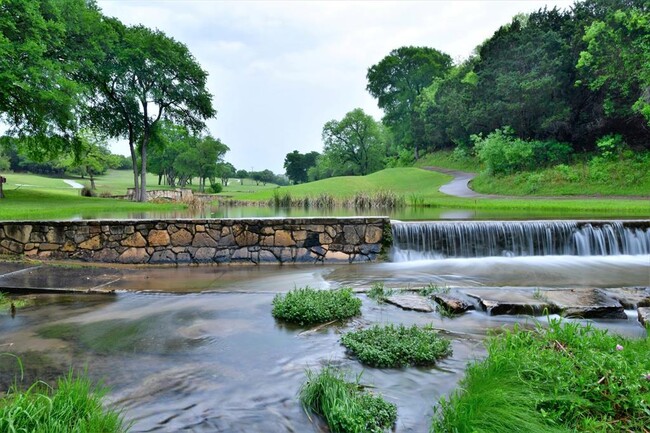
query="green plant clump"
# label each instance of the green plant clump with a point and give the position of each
(379, 292)
(308, 306)
(74, 407)
(397, 346)
(346, 407)
(564, 378)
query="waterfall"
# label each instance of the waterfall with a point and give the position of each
(433, 240)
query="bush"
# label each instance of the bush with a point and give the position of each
(75, 406)
(307, 306)
(215, 187)
(344, 405)
(87, 192)
(397, 346)
(504, 153)
(566, 377)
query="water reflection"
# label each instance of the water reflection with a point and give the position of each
(407, 213)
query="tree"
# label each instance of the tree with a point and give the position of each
(397, 80)
(93, 159)
(225, 171)
(38, 98)
(145, 78)
(354, 143)
(297, 164)
(617, 61)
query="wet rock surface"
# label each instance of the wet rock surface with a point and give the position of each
(631, 297)
(586, 303)
(510, 301)
(644, 315)
(453, 303)
(408, 301)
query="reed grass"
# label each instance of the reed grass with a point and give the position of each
(74, 406)
(382, 199)
(564, 378)
(344, 404)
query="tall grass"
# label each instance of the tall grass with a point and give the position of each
(74, 406)
(306, 306)
(382, 199)
(566, 377)
(344, 405)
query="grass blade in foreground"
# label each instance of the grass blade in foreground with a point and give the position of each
(309, 306)
(74, 407)
(397, 346)
(564, 378)
(346, 407)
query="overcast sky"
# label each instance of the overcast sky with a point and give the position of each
(280, 69)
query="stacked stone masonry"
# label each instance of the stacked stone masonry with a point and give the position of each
(303, 240)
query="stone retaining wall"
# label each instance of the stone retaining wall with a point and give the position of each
(190, 241)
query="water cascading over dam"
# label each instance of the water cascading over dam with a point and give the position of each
(465, 239)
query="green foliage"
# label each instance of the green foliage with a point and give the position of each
(297, 165)
(346, 407)
(567, 377)
(75, 406)
(354, 143)
(378, 292)
(611, 146)
(397, 346)
(625, 175)
(397, 80)
(503, 153)
(215, 188)
(432, 289)
(306, 306)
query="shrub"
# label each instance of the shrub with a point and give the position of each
(566, 377)
(308, 306)
(346, 407)
(75, 406)
(215, 187)
(87, 192)
(397, 346)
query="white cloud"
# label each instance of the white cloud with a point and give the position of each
(280, 69)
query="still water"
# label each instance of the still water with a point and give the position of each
(196, 349)
(407, 213)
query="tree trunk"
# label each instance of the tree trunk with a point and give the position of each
(143, 170)
(134, 161)
(92, 181)
(2, 194)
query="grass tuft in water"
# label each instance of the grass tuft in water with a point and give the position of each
(306, 306)
(564, 378)
(345, 405)
(75, 406)
(379, 292)
(397, 346)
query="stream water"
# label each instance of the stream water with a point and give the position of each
(197, 349)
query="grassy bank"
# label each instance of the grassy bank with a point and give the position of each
(628, 176)
(564, 378)
(75, 405)
(33, 197)
(420, 187)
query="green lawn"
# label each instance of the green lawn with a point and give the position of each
(422, 186)
(34, 197)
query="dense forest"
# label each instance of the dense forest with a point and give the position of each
(544, 88)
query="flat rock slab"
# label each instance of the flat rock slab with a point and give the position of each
(410, 302)
(631, 297)
(452, 303)
(509, 301)
(60, 278)
(586, 303)
(644, 315)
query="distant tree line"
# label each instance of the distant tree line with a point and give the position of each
(544, 86)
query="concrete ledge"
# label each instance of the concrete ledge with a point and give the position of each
(197, 241)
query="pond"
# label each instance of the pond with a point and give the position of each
(197, 348)
(408, 213)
